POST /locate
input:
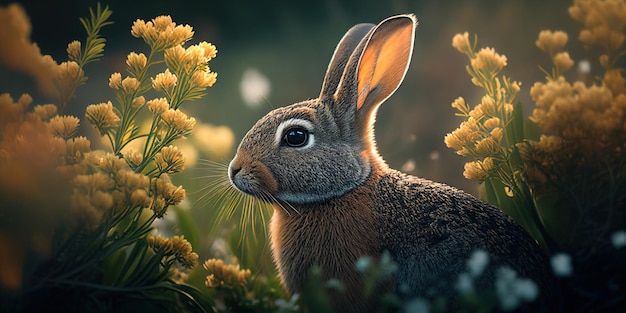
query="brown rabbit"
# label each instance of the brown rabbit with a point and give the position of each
(336, 200)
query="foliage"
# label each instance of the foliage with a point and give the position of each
(561, 174)
(102, 255)
(94, 247)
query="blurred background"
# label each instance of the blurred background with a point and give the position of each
(275, 53)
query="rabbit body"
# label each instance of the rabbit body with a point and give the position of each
(336, 200)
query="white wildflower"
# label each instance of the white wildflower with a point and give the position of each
(513, 291)
(254, 87)
(561, 264)
(618, 239)
(478, 262)
(465, 284)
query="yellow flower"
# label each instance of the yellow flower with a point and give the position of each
(136, 62)
(138, 28)
(158, 106)
(462, 44)
(160, 244)
(161, 33)
(488, 61)
(164, 81)
(477, 113)
(179, 35)
(45, 111)
(130, 85)
(204, 78)
(175, 57)
(111, 164)
(491, 123)
(102, 117)
(459, 104)
(19, 53)
(478, 170)
(64, 126)
(496, 133)
(163, 188)
(75, 149)
(73, 50)
(138, 102)
(614, 80)
(223, 275)
(488, 147)
(91, 198)
(452, 141)
(115, 81)
(177, 246)
(139, 198)
(70, 71)
(134, 158)
(159, 207)
(183, 251)
(551, 42)
(562, 62)
(169, 160)
(178, 121)
(604, 22)
(25, 100)
(163, 22)
(210, 51)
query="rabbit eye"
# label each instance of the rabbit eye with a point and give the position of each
(296, 137)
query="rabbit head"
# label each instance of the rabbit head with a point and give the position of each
(322, 148)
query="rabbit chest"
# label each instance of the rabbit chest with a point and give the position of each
(331, 235)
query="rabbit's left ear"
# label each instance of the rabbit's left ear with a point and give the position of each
(385, 60)
(374, 71)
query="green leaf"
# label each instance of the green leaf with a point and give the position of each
(188, 227)
(515, 128)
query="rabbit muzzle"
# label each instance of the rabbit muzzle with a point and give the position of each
(251, 176)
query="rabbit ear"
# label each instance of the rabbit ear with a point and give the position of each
(385, 60)
(375, 69)
(340, 58)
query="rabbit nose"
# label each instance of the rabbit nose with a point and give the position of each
(233, 168)
(234, 171)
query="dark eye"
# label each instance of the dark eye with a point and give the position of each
(296, 137)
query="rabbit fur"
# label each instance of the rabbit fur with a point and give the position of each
(336, 200)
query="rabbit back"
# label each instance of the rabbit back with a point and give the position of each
(432, 229)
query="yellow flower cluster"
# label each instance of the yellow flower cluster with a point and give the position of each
(19, 53)
(553, 43)
(73, 152)
(169, 160)
(482, 136)
(28, 182)
(166, 194)
(223, 275)
(64, 126)
(158, 106)
(603, 26)
(177, 122)
(193, 60)
(102, 117)
(54, 186)
(576, 111)
(177, 247)
(161, 32)
(164, 81)
(583, 124)
(484, 66)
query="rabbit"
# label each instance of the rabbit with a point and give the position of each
(336, 200)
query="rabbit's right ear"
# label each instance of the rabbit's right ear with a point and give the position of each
(344, 50)
(373, 72)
